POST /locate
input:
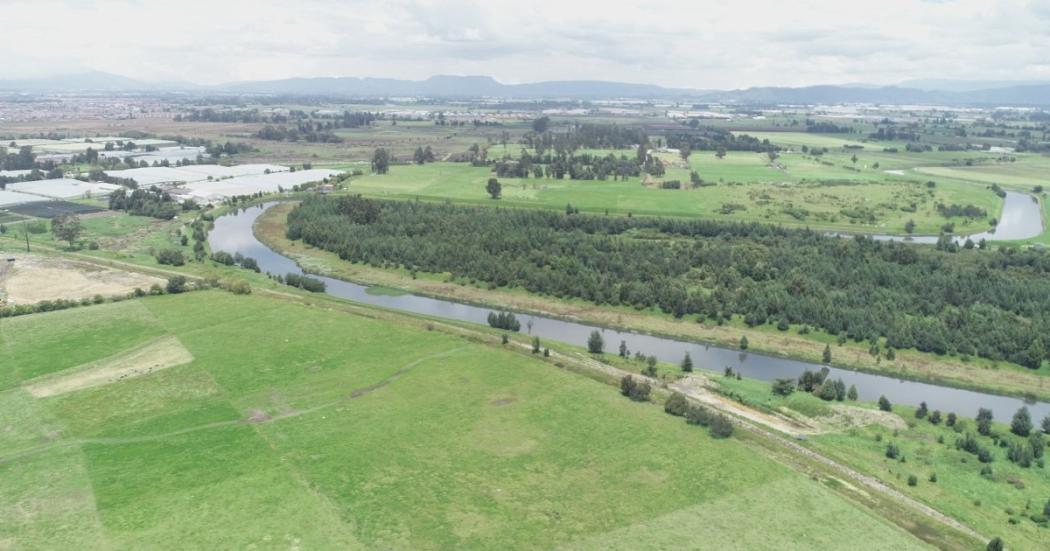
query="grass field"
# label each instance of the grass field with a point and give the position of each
(304, 427)
(1000, 504)
(865, 201)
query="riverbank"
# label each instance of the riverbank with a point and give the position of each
(976, 374)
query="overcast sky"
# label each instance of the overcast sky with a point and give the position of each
(684, 43)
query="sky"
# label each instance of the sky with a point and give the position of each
(697, 44)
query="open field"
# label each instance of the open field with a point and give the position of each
(746, 189)
(343, 431)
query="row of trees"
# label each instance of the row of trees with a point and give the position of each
(995, 305)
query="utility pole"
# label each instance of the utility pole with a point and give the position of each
(25, 229)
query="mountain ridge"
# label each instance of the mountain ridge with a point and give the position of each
(923, 92)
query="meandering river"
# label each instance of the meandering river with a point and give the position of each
(233, 233)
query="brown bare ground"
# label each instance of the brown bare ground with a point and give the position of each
(35, 278)
(154, 356)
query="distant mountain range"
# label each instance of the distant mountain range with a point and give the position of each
(923, 92)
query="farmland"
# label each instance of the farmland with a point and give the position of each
(745, 189)
(265, 434)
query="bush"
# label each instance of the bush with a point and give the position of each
(913, 480)
(223, 257)
(305, 282)
(721, 427)
(677, 405)
(171, 257)
(236, 286)
(176, 284)
(637, 391)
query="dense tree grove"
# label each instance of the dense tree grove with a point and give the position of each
(978, 302)
(144, 202)
(717, 139)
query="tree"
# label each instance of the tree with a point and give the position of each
(687, 363)
(826, 357)
(720, 152)
(935, 417)
(984, 421)
(541, 124)
(494, 188)
(884, 404)
(854, 159)
(66, 227)
(623, 349)
(1046, 424)
(1021, 425)
(535, 345)
(892, 451)
(909, 226)
(772, 154)
(995, 544)
(921, 412)
(685, 151)
(380, 161)
(595, 343)
(743, 342)
(852, 393)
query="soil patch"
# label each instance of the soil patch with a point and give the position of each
(34, 278)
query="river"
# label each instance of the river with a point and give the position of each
(233, 234)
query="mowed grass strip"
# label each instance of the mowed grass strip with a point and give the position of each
(299, 426)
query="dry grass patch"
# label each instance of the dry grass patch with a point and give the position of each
(153, 356)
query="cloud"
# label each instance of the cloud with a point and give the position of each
(686, 43)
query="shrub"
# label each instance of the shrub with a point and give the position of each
(305, 282)
(677, 405)
(637, 391)
(223, 257)
(721, 427)
(171, 257)
(176, 284)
